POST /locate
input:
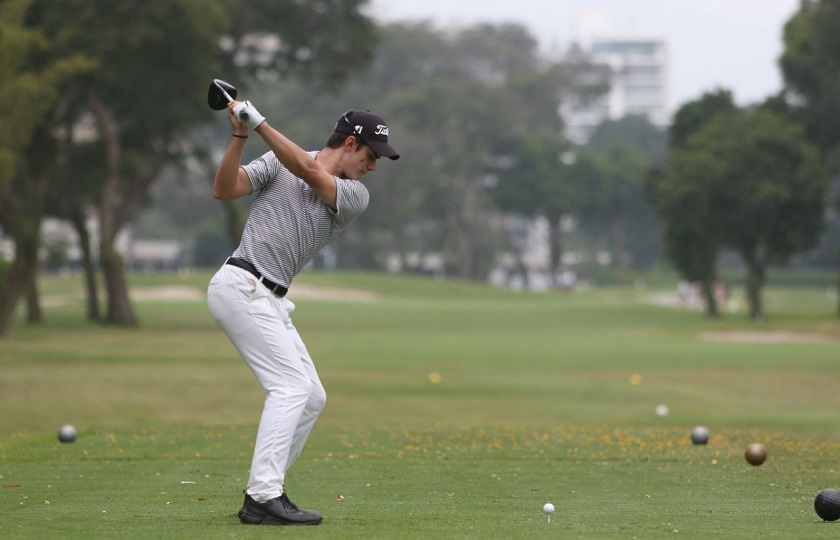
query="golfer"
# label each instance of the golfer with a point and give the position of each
(303, 200)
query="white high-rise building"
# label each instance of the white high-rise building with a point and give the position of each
(634, 71)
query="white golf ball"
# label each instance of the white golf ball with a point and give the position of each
(662, 410)
(700, 435)
(67, 433)
(548, 508)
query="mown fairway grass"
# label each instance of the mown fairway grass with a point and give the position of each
(535, 404)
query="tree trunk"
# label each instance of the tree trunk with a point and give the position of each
(120, 310)
(110, 206)
(555, 249)
(755, 282)
(617, 233)
(455, 248)
(708, 290)
(21, 208)
(22, 271)
(518, 261)
(458, 249)
(77, 218)
(467, 251)
(10, 292)
(34, 315)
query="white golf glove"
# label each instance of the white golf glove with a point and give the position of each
(248, 114)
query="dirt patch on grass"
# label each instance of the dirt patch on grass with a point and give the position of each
(765, 337)
(323, 293)
(168, 293)
(181, 293)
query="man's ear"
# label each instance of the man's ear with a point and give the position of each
(351, 144)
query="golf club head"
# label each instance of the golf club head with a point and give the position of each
(220, 94)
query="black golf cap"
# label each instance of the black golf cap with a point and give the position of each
(370, 128)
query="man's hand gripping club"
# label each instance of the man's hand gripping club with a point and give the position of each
(246, 114)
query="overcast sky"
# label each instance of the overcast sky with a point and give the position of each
(733, 44)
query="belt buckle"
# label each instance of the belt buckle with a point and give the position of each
(266, 282)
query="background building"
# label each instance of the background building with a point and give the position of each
(635, 71)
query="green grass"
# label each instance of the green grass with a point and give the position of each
(535, 404)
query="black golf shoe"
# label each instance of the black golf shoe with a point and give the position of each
(278, 511)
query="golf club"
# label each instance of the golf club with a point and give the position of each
(220, 94)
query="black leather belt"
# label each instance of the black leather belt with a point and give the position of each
(276, 288)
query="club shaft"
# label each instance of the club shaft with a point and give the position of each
(222, 90)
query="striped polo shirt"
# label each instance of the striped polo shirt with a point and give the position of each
(288, 223)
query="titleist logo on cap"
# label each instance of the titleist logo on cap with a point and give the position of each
(370, 128)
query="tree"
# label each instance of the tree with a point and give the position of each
(693, 115)
(758, 189)
(627, 148)
(537, 183)
(692, 242)
(484, 107)
(468, 126)
(150, 58)
(479, 88)
(30, 76)
(635, 132)
(129, 99)
(321, 42)
(615, 199)
(810, 66)
(692, 234)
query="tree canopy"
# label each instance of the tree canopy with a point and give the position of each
(810, 66)
(134, 110)
(746, 180)
(31, 73)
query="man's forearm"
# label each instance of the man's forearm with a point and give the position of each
(225, 183)
(292, 156)
(299, 163)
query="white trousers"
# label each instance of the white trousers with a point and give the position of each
(258, 324)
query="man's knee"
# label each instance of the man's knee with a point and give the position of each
(317, 398)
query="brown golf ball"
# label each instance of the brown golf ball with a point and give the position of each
(755, 454)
